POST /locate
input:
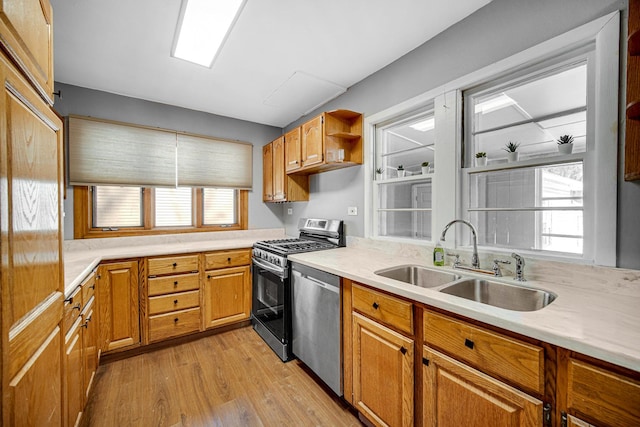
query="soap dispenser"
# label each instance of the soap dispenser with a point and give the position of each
(438, 255)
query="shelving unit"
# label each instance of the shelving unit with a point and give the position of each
(632, 139)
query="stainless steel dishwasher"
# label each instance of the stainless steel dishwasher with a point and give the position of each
(316, 323)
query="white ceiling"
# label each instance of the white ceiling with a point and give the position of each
(282, 59)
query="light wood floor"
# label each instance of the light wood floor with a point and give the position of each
(229, 379)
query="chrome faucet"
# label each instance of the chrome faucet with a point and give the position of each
(474, 258)
(519, 267)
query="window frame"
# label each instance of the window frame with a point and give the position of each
(83, 219)
(448, 178)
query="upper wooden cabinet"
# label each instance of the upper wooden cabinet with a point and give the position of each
(632, 138)
(277, 185)
(27, 36)
(332, 140)
(293, 150)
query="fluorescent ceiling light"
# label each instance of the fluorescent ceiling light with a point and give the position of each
(424, 125)
(203, 27)
(500, 101)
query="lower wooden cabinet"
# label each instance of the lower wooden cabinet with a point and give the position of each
(383, 373)
(227, 296)
(118, 302)
(74, 373)
(90, 348)
(455, 394)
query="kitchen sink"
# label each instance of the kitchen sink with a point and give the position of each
(418, 275)
(510, 297)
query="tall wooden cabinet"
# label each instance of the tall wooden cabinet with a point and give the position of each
(30, 231)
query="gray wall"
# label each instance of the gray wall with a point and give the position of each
(497, 31)
(87, 102)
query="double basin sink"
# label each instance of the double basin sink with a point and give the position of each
(496, 294)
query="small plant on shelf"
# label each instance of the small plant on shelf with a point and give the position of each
(379, 171)
(481, 158)
(425, 168)
(401, 171)
(565, 144)
(512, 151)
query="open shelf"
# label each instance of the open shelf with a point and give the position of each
(344, 135)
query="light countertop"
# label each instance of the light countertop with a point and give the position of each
(599, 318)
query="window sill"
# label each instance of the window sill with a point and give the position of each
(418, 177)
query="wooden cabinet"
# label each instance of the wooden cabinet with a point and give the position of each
(632, 138)
(32, 340)
(173, 296)
(382, 373)
(90, 348)
(118, 303)
(598, 394)
(74, 373)
(227, 287)
(277, 185)
(332, 140)
(455, 394)
(379, 367)
(293, 150)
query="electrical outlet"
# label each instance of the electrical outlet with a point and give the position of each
(290, 211)
(352, 210)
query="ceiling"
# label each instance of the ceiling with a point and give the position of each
(282, 59)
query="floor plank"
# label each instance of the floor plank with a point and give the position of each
(229, 379)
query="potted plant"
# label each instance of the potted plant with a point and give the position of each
(481, 158)
(425, 168)
(565, 144)
(512, 151)
(401, 171)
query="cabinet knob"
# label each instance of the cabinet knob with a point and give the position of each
(468, 343)
(175, 264)
(92, 286)
(403, 350)
(208, 276)
(69, 300)
(175, 301)
(175, 283)
(229, 259)
(175, 320)
(77, 307)
(375, 305)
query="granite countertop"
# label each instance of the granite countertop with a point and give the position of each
(596, 312)
(82, 256)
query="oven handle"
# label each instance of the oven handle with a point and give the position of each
(278, 271)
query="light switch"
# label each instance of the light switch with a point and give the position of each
(290, 211)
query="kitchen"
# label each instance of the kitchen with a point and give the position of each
(333, 193)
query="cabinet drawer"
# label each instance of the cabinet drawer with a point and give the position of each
(607, 397)
(175, 323)
(509, 359)
(172, 302)
(227, 259)
(387, 309)
(88, 288)
(72, 308)
(173, 264)
(170, 284)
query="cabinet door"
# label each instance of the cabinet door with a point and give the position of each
(279, 191)
(118, 303)
(382, 373)
(267, 173)
(227, 296)
(30, 248)
(74, 368)
(292, 150)
(312, 142)
(457, 395)
(90, 351)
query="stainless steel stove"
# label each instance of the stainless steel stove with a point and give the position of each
(271, 308)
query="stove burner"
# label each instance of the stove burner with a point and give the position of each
(290, 246)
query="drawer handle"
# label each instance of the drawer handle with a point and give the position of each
(208, 276)
(77, 307)
(175, 320)
(375, 305)
(425, 361)
(175, 264)
(229, 259)
(175, 283)
(175, 301)
(69, 300)
(468, 343)
(92, 286)
(403, 350)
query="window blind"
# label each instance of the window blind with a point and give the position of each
(108, 153)
(207, 162)
(219, 206)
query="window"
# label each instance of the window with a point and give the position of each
(546, 203)
(109, 211)
(536, 202)
(402, 190)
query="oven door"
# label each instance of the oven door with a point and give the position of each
(271, 299)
